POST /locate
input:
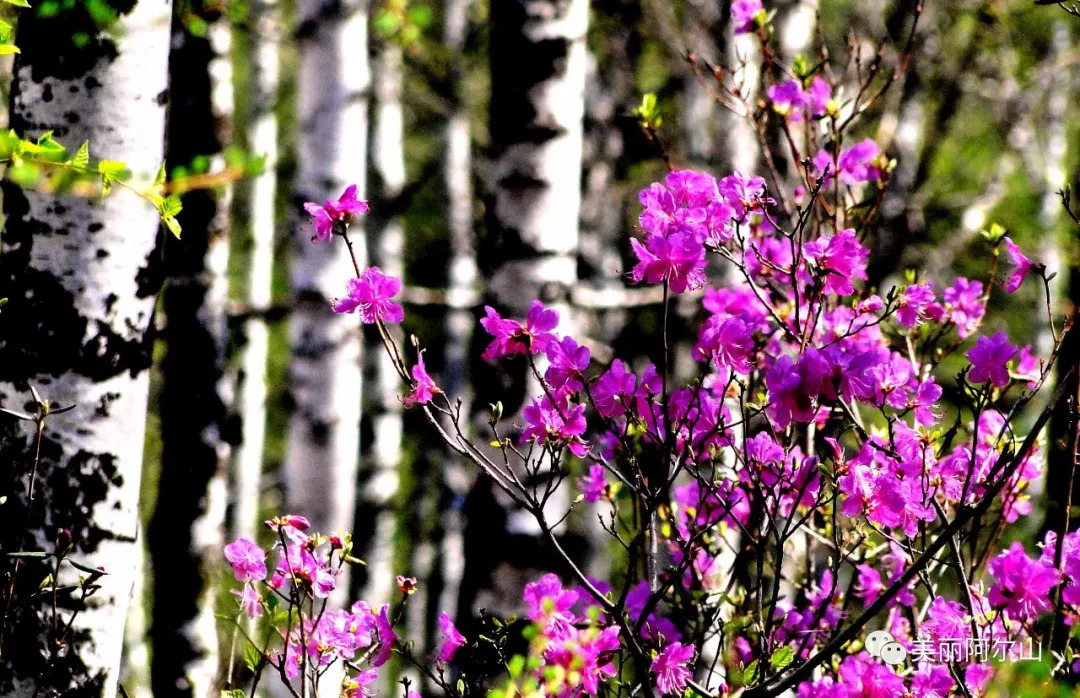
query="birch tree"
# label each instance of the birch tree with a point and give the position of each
(538, 65)
(264, 40)
(187, 531)
(324, 381)
(380, 477)
(80, 275)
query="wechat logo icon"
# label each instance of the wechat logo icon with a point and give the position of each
(882, 645)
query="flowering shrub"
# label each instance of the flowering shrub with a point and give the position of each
(807, 486)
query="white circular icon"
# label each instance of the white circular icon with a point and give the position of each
(893, 654)
(877, 640)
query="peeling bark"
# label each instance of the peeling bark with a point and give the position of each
(80, 275)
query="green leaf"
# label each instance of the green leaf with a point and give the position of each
(234, 693)
(172, 224)
(18, 3)
(111, 168)
(751, 672)
(160, 178)
(85, 568)
(252, 658)
(171, 206)
(82, 157)
(781, 658)
(8, 49)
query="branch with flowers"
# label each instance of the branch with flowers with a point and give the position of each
(807, 486)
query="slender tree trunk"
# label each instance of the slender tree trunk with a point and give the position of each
(380, 477)
(538, 63)
(186, 534)
(264, 37)
(323, 448)
(80, 277)
(458, 185)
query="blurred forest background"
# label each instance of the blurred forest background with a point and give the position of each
(262, 401)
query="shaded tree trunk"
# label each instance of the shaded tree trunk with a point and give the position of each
(186, 534)
(264, 37)
(80, 277)
(325, 379)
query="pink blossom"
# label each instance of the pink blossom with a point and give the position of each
(678, 259)
(550, 605)
(744, 15)
(340, 211)
(912, 306)
(1021, 266)
(842, 258)
(371, 294)
(854, 165)
(512, 337)
(424, 389)
(1022, 584)
(614, 390)
(788, 99)
(672, 668)
(250, 601)
(593, 486)
(557, 424)
(989, 359)
(387, 636)
(248, 560)
(964, 306)
(452, 638)
(569, 361)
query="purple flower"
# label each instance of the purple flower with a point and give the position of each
(744, 15)
(559, 425)
(788, 99)
(819, 96)
(672, 668)
(250, 601)
(946, 620)
(371, 294)
(568, 364)
(854, 165)
(614, 390)
(1021, 266)
(963, 303)
(912, 306)
(678, 259)
(424, 389)
(549, 605)
(248, 560)
(1028, 366)
(989, 360)
(843, 259)
(453, 639)
(340, 211)
(593, 486)
(387, 636)
(1022, 584)
(744, 192)
(729, 342)
(513, 337)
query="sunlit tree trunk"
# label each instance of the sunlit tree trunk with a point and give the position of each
(324, 373)
(264, 37)
(538, 63)
(458, 186)
(380, 476)
(186, 534)
(80, 275)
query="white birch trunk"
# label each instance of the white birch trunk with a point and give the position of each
(538, 67)
(381, 477)
(323, 448)
(80, 281)
(262, 135)
(457, 181)
(187, 533)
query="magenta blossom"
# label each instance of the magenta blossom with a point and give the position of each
(340, 211)
(558, 424)
(387, 636)
(990, 358)
(250, 601)
(964, 306)
(453, 639)
(512, 337)
(672, 668)
(248, 560)
(1022, 584)
(593, 486)
(371, 294)
(744, 15)
(424, 389)
(912, 307)
(843, 259)
(1022, 265)
(678, 259)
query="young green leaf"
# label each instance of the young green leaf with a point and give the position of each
(82, 157)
